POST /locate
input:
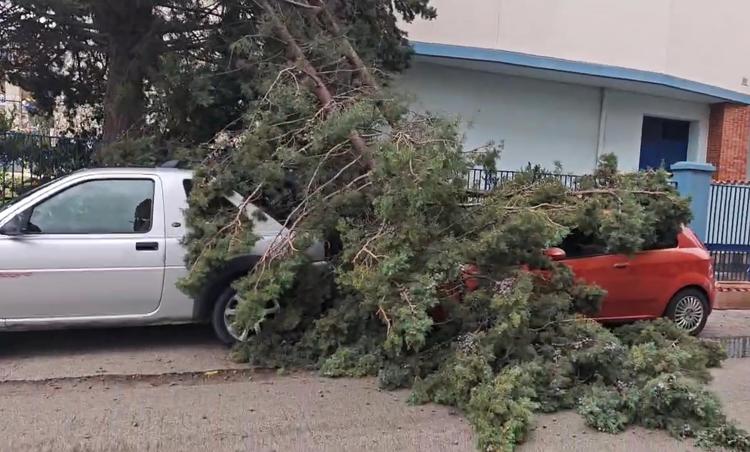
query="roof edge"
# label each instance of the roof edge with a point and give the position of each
(575, 67)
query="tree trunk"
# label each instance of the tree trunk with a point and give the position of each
(330, 22)
(132, 52)
(124, 101)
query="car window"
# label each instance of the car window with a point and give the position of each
(664, 240)
(578, 244)
(114, 206)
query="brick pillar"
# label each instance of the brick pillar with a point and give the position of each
(729, 140)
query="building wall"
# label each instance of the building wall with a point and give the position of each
(11, 107)
(532, 120)
(708, 41)
(698, 40)
(540, 121)
(10, 92)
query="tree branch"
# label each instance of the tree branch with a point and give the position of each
(321, 90)
(302, 5)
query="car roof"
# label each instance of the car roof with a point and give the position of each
(130, 170)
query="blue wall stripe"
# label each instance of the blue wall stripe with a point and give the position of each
(575, 67)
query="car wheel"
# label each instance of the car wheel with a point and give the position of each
(224, 315)
(689, 310)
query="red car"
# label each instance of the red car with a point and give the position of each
(674, 281)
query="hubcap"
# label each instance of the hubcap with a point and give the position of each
(230, 315)
(688, 314)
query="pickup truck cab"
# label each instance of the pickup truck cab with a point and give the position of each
(103, 247)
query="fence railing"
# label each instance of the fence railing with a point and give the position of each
(27, 160)
(729, 215)
(728, 230)
(731, 265)
(481, 180)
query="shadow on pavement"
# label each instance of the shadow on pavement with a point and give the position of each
(44, 343)
(39, 356)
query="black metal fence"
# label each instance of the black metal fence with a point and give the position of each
(28, 160)
(731, 265)
(481, 180)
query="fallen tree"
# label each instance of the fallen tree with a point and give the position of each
(334, 156)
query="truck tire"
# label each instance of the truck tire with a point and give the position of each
(223, 315)
(689, 309)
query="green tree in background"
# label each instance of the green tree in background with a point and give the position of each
(161, 68)
(108, 54)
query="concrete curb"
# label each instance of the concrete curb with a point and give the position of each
(186, 378)
(732, 296)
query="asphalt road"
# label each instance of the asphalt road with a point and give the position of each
(173, 389)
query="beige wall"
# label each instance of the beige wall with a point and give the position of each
(533, 121)
(699, 40)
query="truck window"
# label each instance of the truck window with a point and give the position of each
(113, 206)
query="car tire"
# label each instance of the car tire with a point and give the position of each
(689, 309)
(219, 316)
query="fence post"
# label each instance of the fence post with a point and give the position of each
(694, 181)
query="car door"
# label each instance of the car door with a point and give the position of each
(657, 271)
(612, 272)
(93, 248)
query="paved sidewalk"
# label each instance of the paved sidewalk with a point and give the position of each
(155, 389)
(734, 323)
(732, 329)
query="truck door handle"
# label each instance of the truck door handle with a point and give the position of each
(621, 265)
(147, 246)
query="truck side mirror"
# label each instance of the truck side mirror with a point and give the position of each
(14, 227)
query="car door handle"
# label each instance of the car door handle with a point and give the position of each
(147, 246)
(621, 265)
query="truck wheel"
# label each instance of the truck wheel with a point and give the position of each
(689, 310)
(223, 316)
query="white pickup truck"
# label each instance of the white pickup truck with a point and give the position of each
(103, 247)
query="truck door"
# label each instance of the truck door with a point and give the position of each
(94, 248)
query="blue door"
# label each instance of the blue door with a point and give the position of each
(664, 142)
